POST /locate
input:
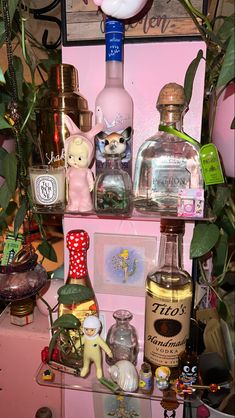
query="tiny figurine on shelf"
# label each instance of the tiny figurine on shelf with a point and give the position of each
(79, 152)
(125, 375)
(93, 344)
(162, 375)
(48, 375)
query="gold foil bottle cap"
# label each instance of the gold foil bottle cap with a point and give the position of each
(171, 94)
(63, 77)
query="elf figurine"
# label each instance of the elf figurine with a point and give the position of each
(93, 344)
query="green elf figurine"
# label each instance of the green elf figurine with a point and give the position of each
(93, 344)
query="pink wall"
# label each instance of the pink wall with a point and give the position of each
(147, 68)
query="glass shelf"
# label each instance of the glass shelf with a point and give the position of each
(91, 384)
(135, 216)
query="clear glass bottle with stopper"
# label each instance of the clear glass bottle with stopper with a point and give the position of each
(168, 161)
(168, 301)
(113, 189)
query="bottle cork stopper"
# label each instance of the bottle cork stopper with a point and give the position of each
(171, 93)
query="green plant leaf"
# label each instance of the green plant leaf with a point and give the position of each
(74, 293)
(190, 75)
(68, 321)
(20, 216)
(222, 310)
(18, 67)
(220, 254)
(4, 124)
(227, 72)
(233, 124)
(221, 197)
(12, 206)
(227, 27)
(9, 165)
(5, 195)
(205, 236)
(47, 250)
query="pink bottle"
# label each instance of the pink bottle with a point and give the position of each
(79, 152)
(114, 105)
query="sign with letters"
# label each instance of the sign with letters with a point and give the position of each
(83, 22)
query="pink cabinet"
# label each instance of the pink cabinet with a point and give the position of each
(20, 352)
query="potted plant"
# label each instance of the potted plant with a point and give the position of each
(214, 239)
(19, 97)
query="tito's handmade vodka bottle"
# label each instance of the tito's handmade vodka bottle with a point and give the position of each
(168, 300)
(114, 105)
(169, 161)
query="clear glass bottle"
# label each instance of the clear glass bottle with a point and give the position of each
(166, 163)
(168, 301)
(114, 105)
(122, 338)
(62, 97)
(78, 244)
(113, 189)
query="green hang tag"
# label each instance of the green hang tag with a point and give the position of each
(210, 163)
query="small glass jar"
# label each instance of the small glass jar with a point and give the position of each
(113, 189)
(146, 378)
(122, 338)
(21, 312)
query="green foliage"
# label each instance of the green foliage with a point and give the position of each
(205, 236)
(74, 293)
(68, 321)
(14, 166)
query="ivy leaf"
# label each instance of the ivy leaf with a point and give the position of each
(220, 256)
(74, 293)
(20, 216)
(18, 67)
(227, 27)
(9, 165)
(5, 195)
(190, 75)
(47, 250)
(222, 310)
(68, 321)
(227, 71)
(205, 236)
(221, 197)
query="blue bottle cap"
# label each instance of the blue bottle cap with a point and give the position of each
(114, 26)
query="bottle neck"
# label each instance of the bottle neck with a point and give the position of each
(113, 162)
(114, 74)
(172, 116)
(77, 265)
(170, 252)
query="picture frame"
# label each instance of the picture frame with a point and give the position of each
(108, 405)
(122, 262)
(83, 22)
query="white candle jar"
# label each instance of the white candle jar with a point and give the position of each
(48, 187)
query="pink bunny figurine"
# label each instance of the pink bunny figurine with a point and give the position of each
(79, 152)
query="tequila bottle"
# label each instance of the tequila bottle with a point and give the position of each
(166, 163)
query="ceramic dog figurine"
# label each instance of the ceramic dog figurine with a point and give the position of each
(79, 152)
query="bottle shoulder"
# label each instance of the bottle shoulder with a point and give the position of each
(113, 91)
